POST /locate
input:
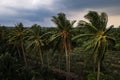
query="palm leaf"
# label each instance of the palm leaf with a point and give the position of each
(97, 44)
(48, 33)
(108, 29)
(55, 36)
(82, 35)
(89, 26)
(94, 18)
(103, 21)
(111, 39)
(29, 44)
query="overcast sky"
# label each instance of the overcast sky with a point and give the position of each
(40, 12)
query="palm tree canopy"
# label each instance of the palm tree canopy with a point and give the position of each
(62, 22)
(64, 27)
(34, 36)
(98, 33)
(98, 21)
(17, 34)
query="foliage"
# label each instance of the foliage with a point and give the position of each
(8, 65)
(93, 76)
(77, 46)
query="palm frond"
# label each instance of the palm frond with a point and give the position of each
(57, 22)
(108, 29)
(103, 21)
(88, 45)
(111, 39)
(73, 22)
(89, 26)
(45, 34)
(55, 36)
(94, 18)
(29, 44)
(97, 43)
(62, 22)
(82, 35)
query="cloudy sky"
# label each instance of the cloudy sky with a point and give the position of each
(41, 11)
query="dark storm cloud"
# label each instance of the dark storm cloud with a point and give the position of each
(81, 4)
(41, 14)
(36, 15)
(33, 16)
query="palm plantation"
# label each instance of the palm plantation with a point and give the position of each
(61, 52)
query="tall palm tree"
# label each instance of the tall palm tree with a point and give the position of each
(63, 35)
(16, 38)
(35, 40)
(98, 37)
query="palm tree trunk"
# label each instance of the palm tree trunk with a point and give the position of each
(67, 64)
(98, 73)
(59, 61)
(41, 58)
(67, 61)
(24, 54)
(94, 64)
(19, 55)
(67, 69)
(47, 58)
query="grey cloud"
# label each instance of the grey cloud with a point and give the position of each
(33, 16)
(112, 7)
(79, 4)
(39, 15)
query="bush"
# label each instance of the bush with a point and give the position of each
(8, 67)
(93, 76)
(117, 46)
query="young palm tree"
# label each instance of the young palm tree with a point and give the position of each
(98, 37)
(16, 38)
(63, 35)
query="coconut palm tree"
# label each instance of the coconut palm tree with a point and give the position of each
(16, 37)
(63, 35)
(35, 40)
(98, 37)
